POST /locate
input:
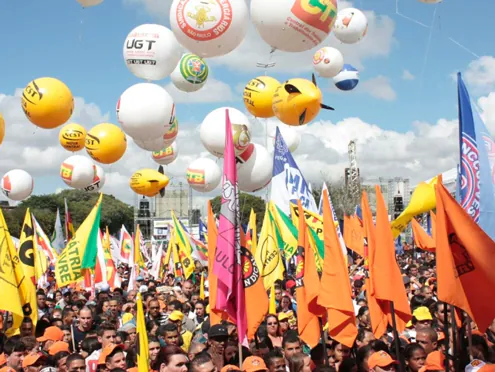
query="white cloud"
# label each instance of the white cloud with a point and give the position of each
(378, 87)
(213, 91)
(480, 75)
(407, 75)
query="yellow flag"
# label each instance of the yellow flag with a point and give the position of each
(11, 277)
(272, 309)
(286, 231)
(184, 247)
(138, 257)
(202, 287)
(313, 220)
(254, 233)
(142, 338)
(422, 200)
(267, 256)
(81, 251)
(27, 253)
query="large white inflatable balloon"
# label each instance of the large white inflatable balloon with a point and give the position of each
(88, 3)
(150, 145)
(17, 184)
(78, 171)
(145, 111)
(293, 26)
(351, 25)
(209, 28)
(203, 175)
(98, 180)
(151, 52)
(254, 168)
(328, 62)
(291, 136)
(166, 155)
(171, 134)
(190, 74)
(347, 79)
(212, 131)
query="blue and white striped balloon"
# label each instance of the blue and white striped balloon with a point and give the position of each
(347, 79)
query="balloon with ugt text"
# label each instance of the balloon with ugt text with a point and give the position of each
(47, 102)
(78, 171)
(98, 180)
(293, 25)
(351, 26)
(151, 52)
(72, 137)
(190, 74)
(212, 131)
(17, 184)
(106, 143)
(146, 111)
(166, 155)
(209, 28)
(298, 101)
(171, 134)
(254, 168)
(203, 175)
(258, 95)
(328, 62)
(149, 182)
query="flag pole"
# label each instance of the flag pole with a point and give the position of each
(455, 355)
(396, 338)
(447, 335)
(240, 355)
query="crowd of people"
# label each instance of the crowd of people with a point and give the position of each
(77, 331)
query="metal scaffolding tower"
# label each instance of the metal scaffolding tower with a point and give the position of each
(353, 182)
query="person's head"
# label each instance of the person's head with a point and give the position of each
(426, 291)
(106, 334)
(188, 288)
(195, 298)
(112, 356)
(415, 357)
(202, 363)
(33, 362)
(364, 337)
(50, 336)
(114, 306)
(299, 362)
(195, 348)
(57, 313)
(254, 364)
(60, 360)
(217, 338)
(68, 315)
(275, 361)
(171, 359)
(153, 347)
(286, 303)
(15, 350)
(41, 299)
(291, 344)
(363, 317)
(199, 308)
(278, 294)
(413, 270)
(154, 308)
(381, 361)
(428, 339)
(272, 325)
(85, 319)
(341, 351)
(170, 333)
(27, 327)
(89, 345)
(422, 318)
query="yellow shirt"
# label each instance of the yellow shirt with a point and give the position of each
(186, 340)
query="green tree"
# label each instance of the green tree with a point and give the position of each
(246, 202)
(114, 213)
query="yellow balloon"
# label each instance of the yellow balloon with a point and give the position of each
(148, 182)
(47, 102)
(106, 143)
(297, 102)
(2, 128)
(258, 96)
(72, 137)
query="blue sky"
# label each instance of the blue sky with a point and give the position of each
(83, 48)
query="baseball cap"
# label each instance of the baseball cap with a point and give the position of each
(31, 359)
(435, 361)
(109, 350)
(422, 313)
(217, 330)
(57, 347)
(51, 334)
(176, 316)
(253, 364)
(230, 367)
(380, 359)
(487, 368)
(283, 316)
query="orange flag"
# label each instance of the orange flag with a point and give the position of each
(257, 302)
(353, 234)
(335, 287)
(384, 271)
(215, 316)
(421, 237)
(465, 261)
(378, 318)
(307, 323)
(433, 221)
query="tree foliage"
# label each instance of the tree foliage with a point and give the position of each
(114, 213)
(246, 202)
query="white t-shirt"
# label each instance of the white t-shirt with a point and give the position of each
(92, 361)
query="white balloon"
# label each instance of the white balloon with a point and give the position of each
(78, 171)
(254, 171)
(165, 155)
(203, 175)
(209, 28)
(212, 131)
(145, 111)
(190, 74)
(17, 184)
(151, 52)
(351, 25)
(328, 62)
(291, 137)
(98, 180)
(150, 145)
(88, 3)
(287, 26)
(171, 134)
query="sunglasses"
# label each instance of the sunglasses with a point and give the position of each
(272, 324)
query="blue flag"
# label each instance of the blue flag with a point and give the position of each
(203, 231)
(477, 158)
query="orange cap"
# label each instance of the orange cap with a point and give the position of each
(380, 359)
(254, 363)
(107, 351)
(30, 359)
(487, 368)
(57, 347)
(435, 361)
(52, 334)
(230, 367)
